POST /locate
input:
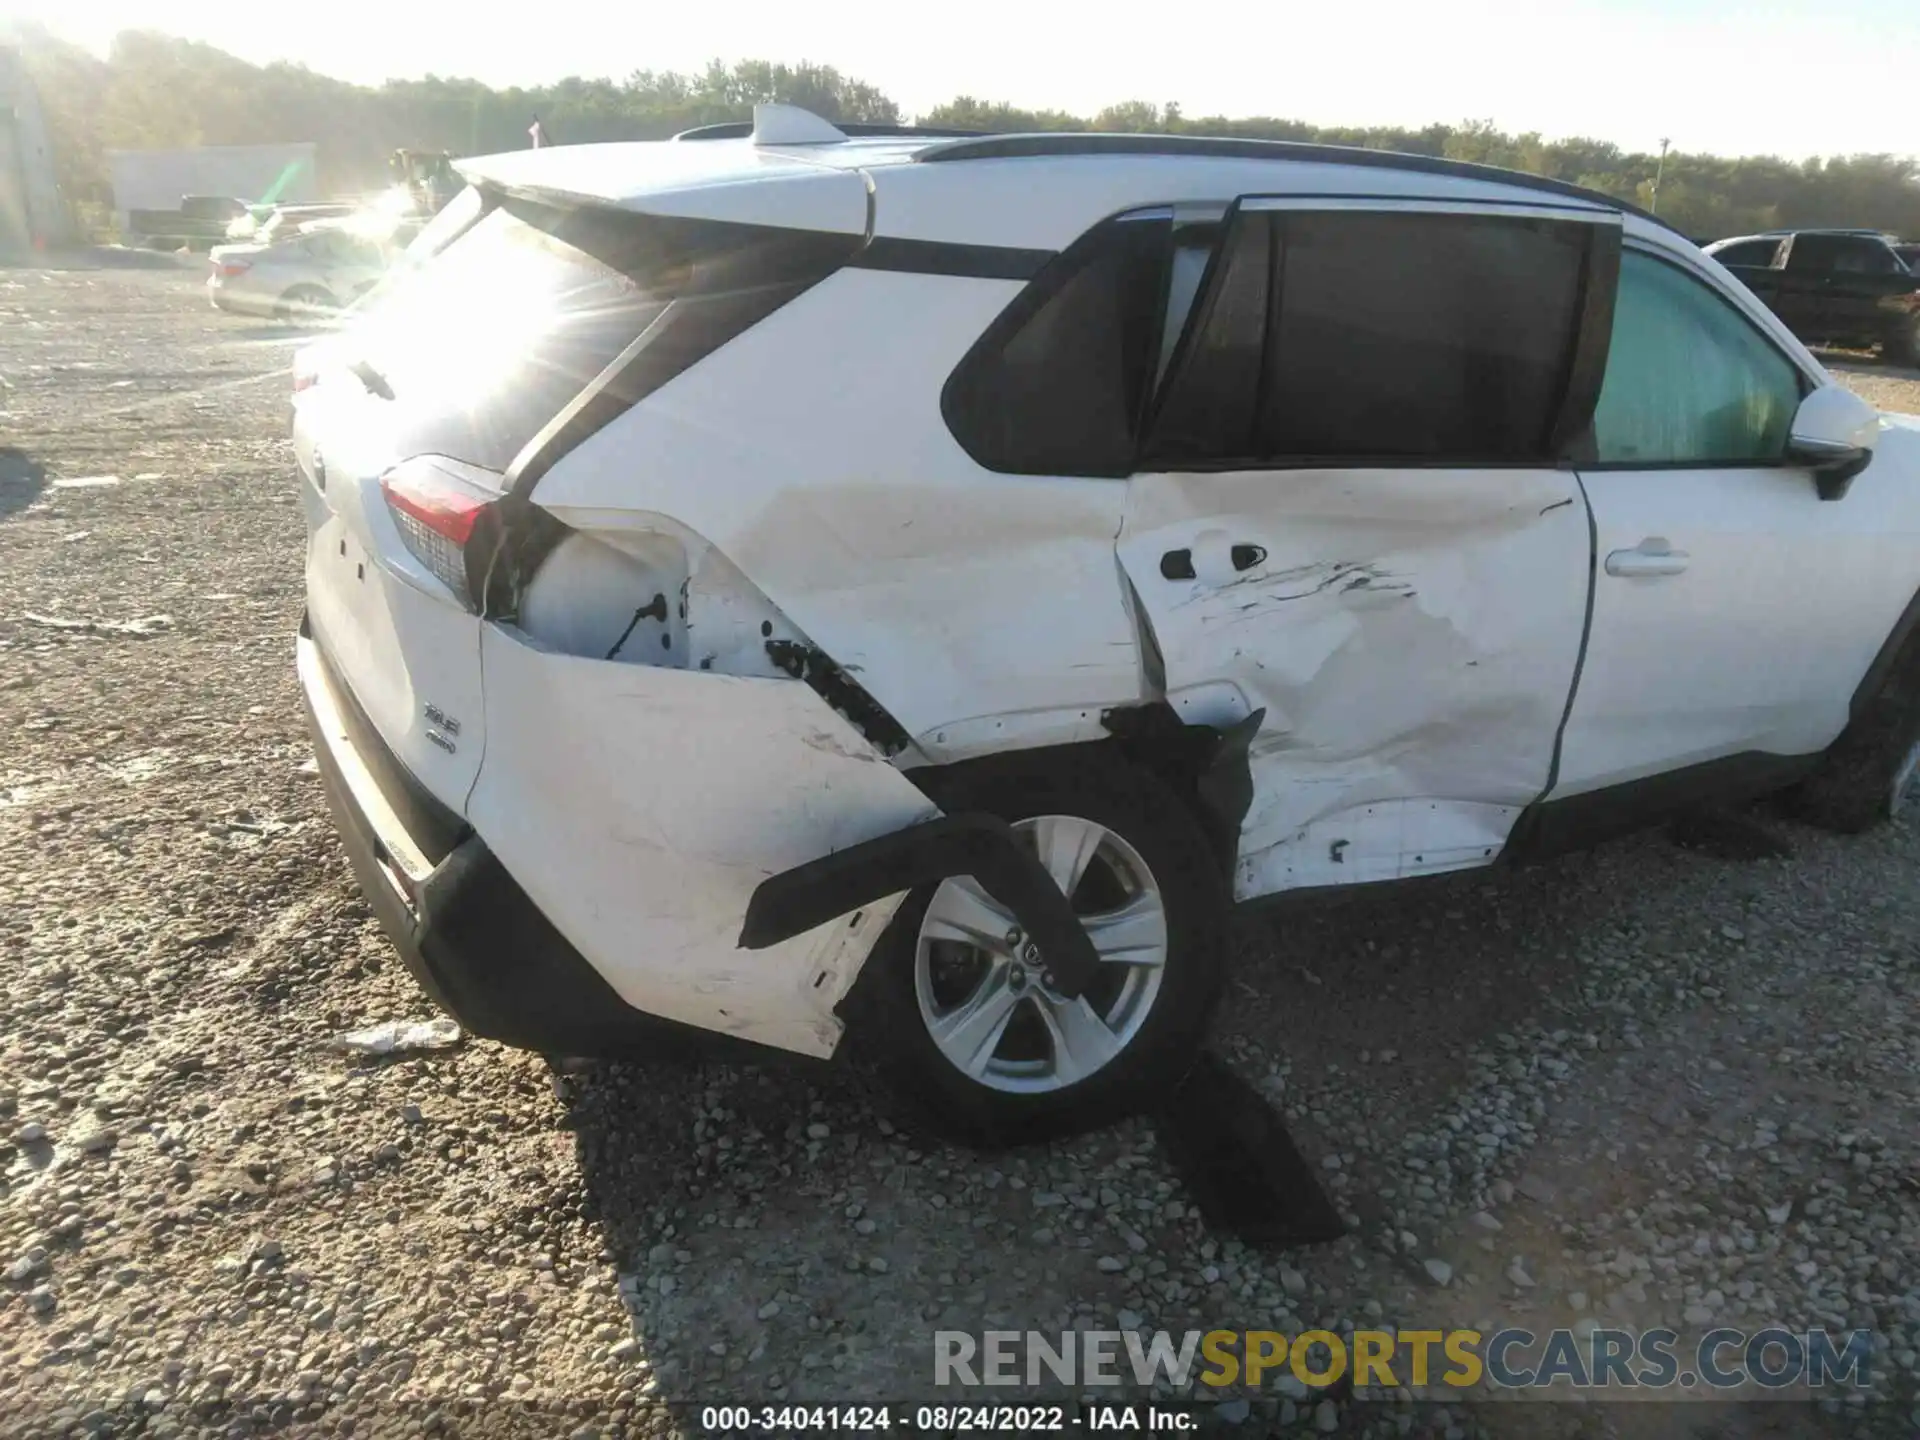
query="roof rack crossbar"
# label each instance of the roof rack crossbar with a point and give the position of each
(1002, 147)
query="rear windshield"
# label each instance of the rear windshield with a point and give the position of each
(490, 339)
(484, 339)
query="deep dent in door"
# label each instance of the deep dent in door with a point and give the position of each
(1411, 634)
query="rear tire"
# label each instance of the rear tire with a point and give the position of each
(1869, 769)
(303, 305)
(1903, 347)
(965, 1028)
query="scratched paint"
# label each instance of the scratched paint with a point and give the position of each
(1411, 635)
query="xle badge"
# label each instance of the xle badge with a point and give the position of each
(441, 727)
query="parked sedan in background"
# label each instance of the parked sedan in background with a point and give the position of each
(263, 224)
(1833, 287)
(320, 270)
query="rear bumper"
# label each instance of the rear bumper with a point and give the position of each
(721, 852)
(236, 302)
(477, 944)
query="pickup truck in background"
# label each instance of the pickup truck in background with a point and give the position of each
(199, 224)
(1848, 288)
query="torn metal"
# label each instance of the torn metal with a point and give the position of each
(982, 846)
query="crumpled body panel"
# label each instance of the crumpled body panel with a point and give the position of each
(640, 806)
(1411, 634)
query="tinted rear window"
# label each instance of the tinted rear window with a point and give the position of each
(486, 343)
(486, 338)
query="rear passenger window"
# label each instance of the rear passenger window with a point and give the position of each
(1058, 384)
(1320, 343)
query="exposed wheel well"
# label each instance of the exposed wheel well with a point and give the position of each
(1204, 766)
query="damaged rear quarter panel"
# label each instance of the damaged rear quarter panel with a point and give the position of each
(814, 456)
(640, 806)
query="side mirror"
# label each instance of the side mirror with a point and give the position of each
(1833, 436)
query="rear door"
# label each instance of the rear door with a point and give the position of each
(1350, 520)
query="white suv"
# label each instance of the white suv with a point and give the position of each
(791, 581)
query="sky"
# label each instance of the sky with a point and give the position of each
(1786, 77)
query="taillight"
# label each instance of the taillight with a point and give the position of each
(233, 267)
(437, 514)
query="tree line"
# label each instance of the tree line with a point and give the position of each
(154, 91)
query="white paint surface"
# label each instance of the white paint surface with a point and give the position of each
(401, 642)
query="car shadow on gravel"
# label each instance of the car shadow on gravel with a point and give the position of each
(274, 332)
(790, 1218)
(100, 257)
(22, 479)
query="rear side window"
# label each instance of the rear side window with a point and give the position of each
(1058, 384)
(1319, 344)
(487, 337)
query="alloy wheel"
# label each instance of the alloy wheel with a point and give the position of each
(981, 981)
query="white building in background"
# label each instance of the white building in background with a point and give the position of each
(157, 179)
(33, 214)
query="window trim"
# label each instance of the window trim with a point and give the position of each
(1807, 383)
(1583, 370)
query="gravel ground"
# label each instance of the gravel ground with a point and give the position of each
(1645, 1086)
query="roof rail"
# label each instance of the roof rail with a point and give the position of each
(1002, 147)
(1868, 231)
(852, 129)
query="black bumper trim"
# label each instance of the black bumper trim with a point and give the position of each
(983, 846)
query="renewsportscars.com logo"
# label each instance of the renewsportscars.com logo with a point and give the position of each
(1508, 1359)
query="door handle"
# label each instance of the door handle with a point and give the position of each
(1652, 556)
(1179, 564)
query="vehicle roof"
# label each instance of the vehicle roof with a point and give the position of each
(1005, 190)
